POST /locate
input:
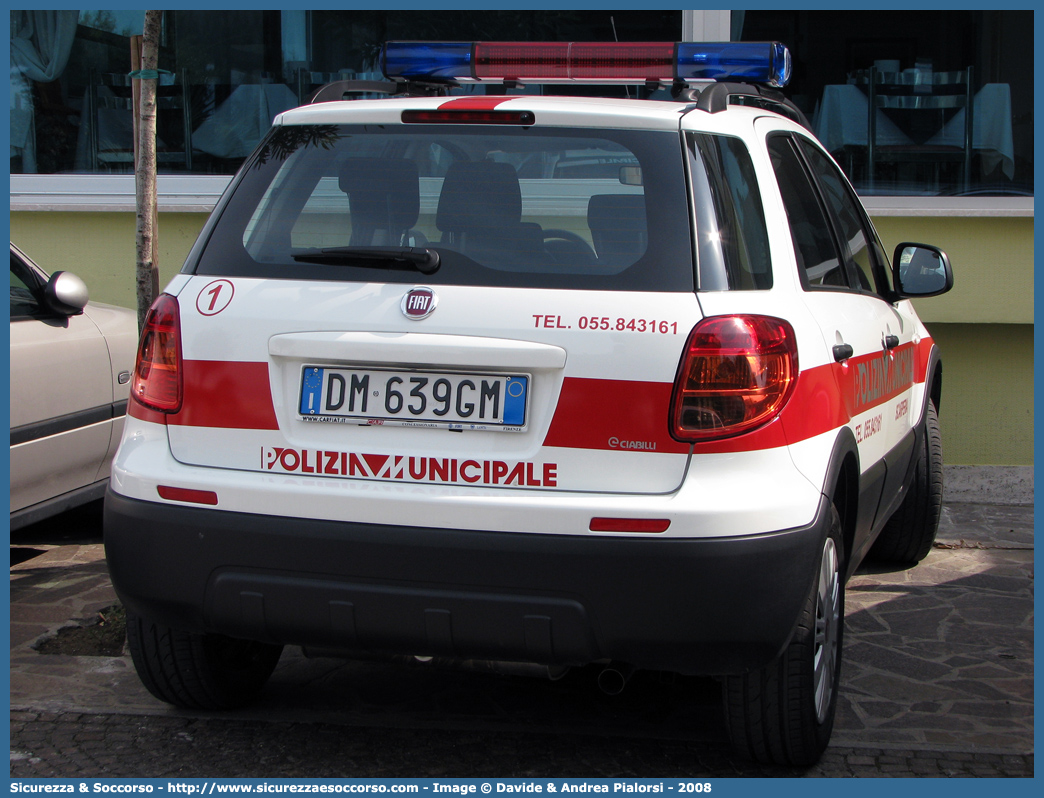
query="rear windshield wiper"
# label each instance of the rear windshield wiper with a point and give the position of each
(424, 260)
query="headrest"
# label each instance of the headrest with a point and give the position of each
(383, 192)
(479, 196)
(618, 227)
(623, 212)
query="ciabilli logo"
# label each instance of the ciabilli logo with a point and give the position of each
(647, 446)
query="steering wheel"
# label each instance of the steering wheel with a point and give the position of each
(569, 245)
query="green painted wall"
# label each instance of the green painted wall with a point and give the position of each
(987, 397)
(992, 261)
(99, 247)
(992, 258)
(984, 326)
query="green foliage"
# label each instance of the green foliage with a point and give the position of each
(285, 141)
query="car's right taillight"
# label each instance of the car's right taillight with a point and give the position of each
(157, 369)
(736, 374)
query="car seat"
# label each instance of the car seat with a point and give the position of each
(384, 199)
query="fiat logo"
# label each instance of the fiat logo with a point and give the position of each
(419, 303)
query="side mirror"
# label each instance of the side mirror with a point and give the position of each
(920, 270)
(65, 294)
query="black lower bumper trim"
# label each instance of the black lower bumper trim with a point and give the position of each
(696, 605)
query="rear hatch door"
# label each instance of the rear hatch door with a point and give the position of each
(496, 306)
(496, 388)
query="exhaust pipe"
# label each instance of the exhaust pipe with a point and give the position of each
(614, 678)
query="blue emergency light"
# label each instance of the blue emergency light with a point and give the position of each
(588, 62)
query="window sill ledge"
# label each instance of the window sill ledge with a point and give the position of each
(949, 206)
(114, 193)
(200, 193)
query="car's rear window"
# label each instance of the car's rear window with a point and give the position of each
(526, 207)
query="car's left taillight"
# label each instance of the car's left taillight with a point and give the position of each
(735, 375)
(157, 369)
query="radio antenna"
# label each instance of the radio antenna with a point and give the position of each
(612, 23)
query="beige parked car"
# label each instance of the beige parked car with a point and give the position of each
(70, 371)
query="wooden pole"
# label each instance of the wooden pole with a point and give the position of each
(146, 271)
(135, 56)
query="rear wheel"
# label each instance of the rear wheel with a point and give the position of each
(784, 713)
(198, 671)
(909, 534)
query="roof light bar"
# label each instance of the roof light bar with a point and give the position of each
(565, 62)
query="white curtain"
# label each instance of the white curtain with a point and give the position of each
(40, 45)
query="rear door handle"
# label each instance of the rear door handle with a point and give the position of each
(842, 352)
(891, 341)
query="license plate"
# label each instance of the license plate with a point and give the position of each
(415, 398)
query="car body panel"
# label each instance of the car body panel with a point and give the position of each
(67, 400)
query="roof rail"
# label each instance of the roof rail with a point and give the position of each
(715, 99)
(712, 99)
(339, 89)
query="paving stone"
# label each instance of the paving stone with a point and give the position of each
(918, 720)
(980, 689)
(930, 707)
(898, 661)
(937, 679)
(900, 689)
(915, 623)
(376, 752)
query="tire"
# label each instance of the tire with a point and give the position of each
(908, 535)
(783, 714)
(199, 671)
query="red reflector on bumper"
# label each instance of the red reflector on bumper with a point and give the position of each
(187, 495)
(629, 524)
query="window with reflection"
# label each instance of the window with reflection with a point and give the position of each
(951, 90)
(226, 74)
(935, 103)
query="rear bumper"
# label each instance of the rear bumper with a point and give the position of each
(693, 605)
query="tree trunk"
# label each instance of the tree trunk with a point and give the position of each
(146, 272)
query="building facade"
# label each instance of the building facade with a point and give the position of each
(946, 157)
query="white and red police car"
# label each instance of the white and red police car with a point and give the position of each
(532, 379)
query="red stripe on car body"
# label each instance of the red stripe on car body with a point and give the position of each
(473, 103)
(596, 414)
(219, 393)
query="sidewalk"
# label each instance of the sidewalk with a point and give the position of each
(937, 677)
(941, 654)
